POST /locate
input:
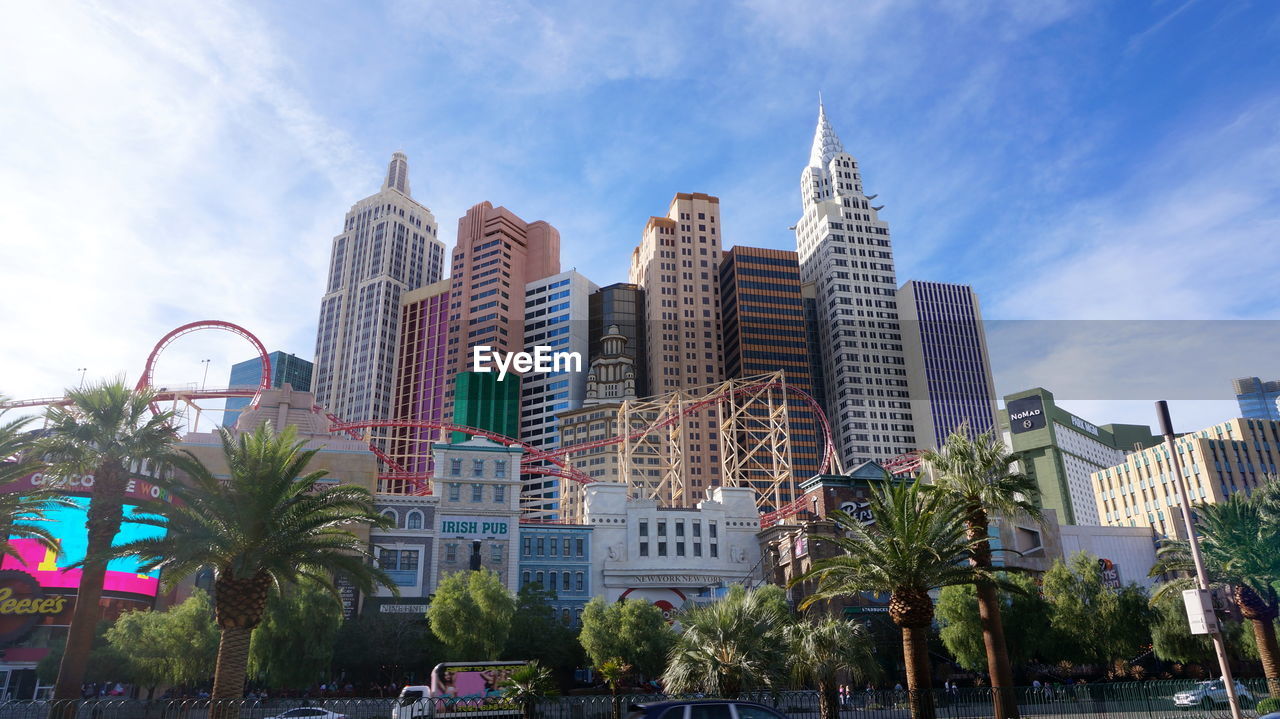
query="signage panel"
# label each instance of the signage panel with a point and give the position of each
(1026, 414)
(474, 527)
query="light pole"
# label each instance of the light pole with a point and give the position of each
(82, 370)
(1204, 609)
(205, 379)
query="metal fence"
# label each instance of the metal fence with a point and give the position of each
(1121, 700)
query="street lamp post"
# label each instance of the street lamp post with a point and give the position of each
(1202, 577)
(82, 370)
(205, 379)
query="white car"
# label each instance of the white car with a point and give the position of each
(1210, 694)
(309, 713)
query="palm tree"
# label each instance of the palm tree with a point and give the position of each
(613, 672)
(526, 685)
(107, 431)
(729, 646)
(917, 542)
(820, 651)
(267, 524)
(1241, 551)
(22, 509)
(976, 472)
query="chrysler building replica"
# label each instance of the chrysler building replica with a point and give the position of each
(845, 252)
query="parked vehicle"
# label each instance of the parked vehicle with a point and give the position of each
(1210, 694)
(309, 713)
(703, 709)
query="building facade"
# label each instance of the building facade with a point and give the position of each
(556, 318)
(285, 369)
(421, 376)
(1061, 451)
(1258, 399)
(844, 250)
(677, 266)
(483, 401)
(557, 557)
(620, 305)
(477, 485)
(406, 552)
(763, 320)
(1232, 456)
(948, 365)
(388, 246)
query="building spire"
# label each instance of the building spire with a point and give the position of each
(825, 142)
(398, 174)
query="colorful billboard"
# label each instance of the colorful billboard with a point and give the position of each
(67, 524)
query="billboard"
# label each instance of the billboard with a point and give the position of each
(52, 571)
(1026, 414)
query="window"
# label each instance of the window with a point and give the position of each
(644, 528)
(477, 468)
(697, 529)
(527, 546)
(500, 494)
(500, 468)
(414, 520)
(524, 578)
(566, 546)
(679, 529)
(541, 546)
(455, 491)
(697, 549)
(709, 711)
(564, 581)
(554, 547)
(711, 529)
(388, 559)
(715, 550)
(747, 711)
(451, 553)
(662, 549)
(477, 493)
(644, 549)
(540, 580)
(495, 552)
(581, 582)
(579, 544)
(455, 467)
(391, 514)
(662, 529)
(679, 549)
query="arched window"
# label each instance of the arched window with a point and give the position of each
(414, 520)
(564, 582)
(393, 516)
(539, 579)
(524, 578)
(565, 616)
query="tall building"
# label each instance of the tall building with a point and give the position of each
(555, 318)
(1232, 456)
(1061, 451)
(285, 369)
(388, 246)
(763, 320)
(1258, 399)
(677, 266)
(620, 305)
(948, 365)
(497, 256)
(421, 377)
(488, 401)
(845, 251)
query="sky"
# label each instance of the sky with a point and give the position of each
(1105, 175)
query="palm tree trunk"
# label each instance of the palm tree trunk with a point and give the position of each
(1004, 702)
(228, 675)
(1264, 636)
(828, 701)
(102, 524)
(915, 653)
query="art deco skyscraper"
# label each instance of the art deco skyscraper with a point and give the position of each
(388, 246)
(845, 251)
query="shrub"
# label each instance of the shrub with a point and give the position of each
(1268, 705)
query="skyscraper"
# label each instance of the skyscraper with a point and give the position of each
(762, 313)
(421, 379)
(948, 367)
(677, 266)
(620, 305)
(388, 246)
(1258, 399)
(845, 251)
(285, 369)
(497, 256)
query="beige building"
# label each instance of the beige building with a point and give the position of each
(477, 490)
(677, 265)
(1228, 457)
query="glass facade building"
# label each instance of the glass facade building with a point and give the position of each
(285, 369)
(1258, 399)
(620, 305)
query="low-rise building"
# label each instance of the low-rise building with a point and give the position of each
(557, 557)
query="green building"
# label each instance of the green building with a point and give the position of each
(480, 400)
(1061, 450)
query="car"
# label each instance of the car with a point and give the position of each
(1209, 694)
(703, 709)
(309, 713)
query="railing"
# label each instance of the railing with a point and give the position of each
(1120, 700)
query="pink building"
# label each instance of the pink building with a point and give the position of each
(421, 376)
(496, 256)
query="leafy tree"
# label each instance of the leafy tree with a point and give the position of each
(385, 648)
(631, 631)
(178, 646)
(293, 647)
(977, 473)
(526, 685)
(105, 663)
(918, 543)
(1028, 628)
(1171, 637)
(1094, 623)
(471, 614)
(268, 524)
(1240, 542)
(819, 652)
(106, 431)
(536, 632)
(22, 509)
(729, 646)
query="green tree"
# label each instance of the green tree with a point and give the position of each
(471, 614)
(977, 473)
(613, 672)
(526, 685)
(293, 646)
(917, 542)
(1240, 543)
(106, 431)
(178, 646)
(386, 648)
(105, 664)
(1028, 631)
(729, 646)
(267, 524)
(22, 509)
(537, 633)
(819, 652)
(631, 631)
(1171, 637)
(1094, 623)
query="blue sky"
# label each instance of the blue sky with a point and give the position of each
(164, 162)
